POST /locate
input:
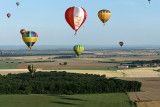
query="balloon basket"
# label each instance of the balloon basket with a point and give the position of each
(75, 34)
(32, 75)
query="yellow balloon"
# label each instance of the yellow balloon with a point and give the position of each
(104, 15)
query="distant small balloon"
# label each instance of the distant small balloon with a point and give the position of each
(17, 3)
(22, 31)
(8, 15)
(121, 43)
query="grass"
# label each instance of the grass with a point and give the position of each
(84, 100)
(4, 65)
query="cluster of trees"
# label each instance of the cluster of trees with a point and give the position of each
(63, 83)
(145, 62)
(65, 63)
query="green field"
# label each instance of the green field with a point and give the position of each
(4, 65)
(85, 100)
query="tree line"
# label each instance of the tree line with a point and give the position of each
(63, 83)
(145, 62)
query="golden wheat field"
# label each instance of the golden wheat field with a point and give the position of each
(148, 104)
(149, 95)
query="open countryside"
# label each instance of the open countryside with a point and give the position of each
(148, 74)
(71, 53)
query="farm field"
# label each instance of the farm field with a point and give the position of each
(85, 100)
(129, 58)
(148, 104)
(101, 63)
(90, 59)
(71, 63)
(150, 90)
(149, 95)
(137, 72)
(8, 65)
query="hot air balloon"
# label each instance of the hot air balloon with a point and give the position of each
(121, 43)
(104, 15)
(78, 49)
(29, 38)
(75, 17)
(32, 69)
(149, 1)
(22, 31)
(17, 3)
(8, 15)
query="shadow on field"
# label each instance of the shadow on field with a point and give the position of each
(67, 98)
(65, 103)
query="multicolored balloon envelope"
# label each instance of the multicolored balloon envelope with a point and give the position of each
(78, 49)
(104, 15)
(32, 69)
(121, 43)
(75, 17)
(29, 38)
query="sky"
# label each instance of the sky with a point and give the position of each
(133, 21)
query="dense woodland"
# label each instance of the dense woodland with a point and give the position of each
(63, 83)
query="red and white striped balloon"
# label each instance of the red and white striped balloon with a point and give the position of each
(75, 17)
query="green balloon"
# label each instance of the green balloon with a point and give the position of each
(78, 49)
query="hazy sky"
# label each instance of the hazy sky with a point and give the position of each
(133, 21)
